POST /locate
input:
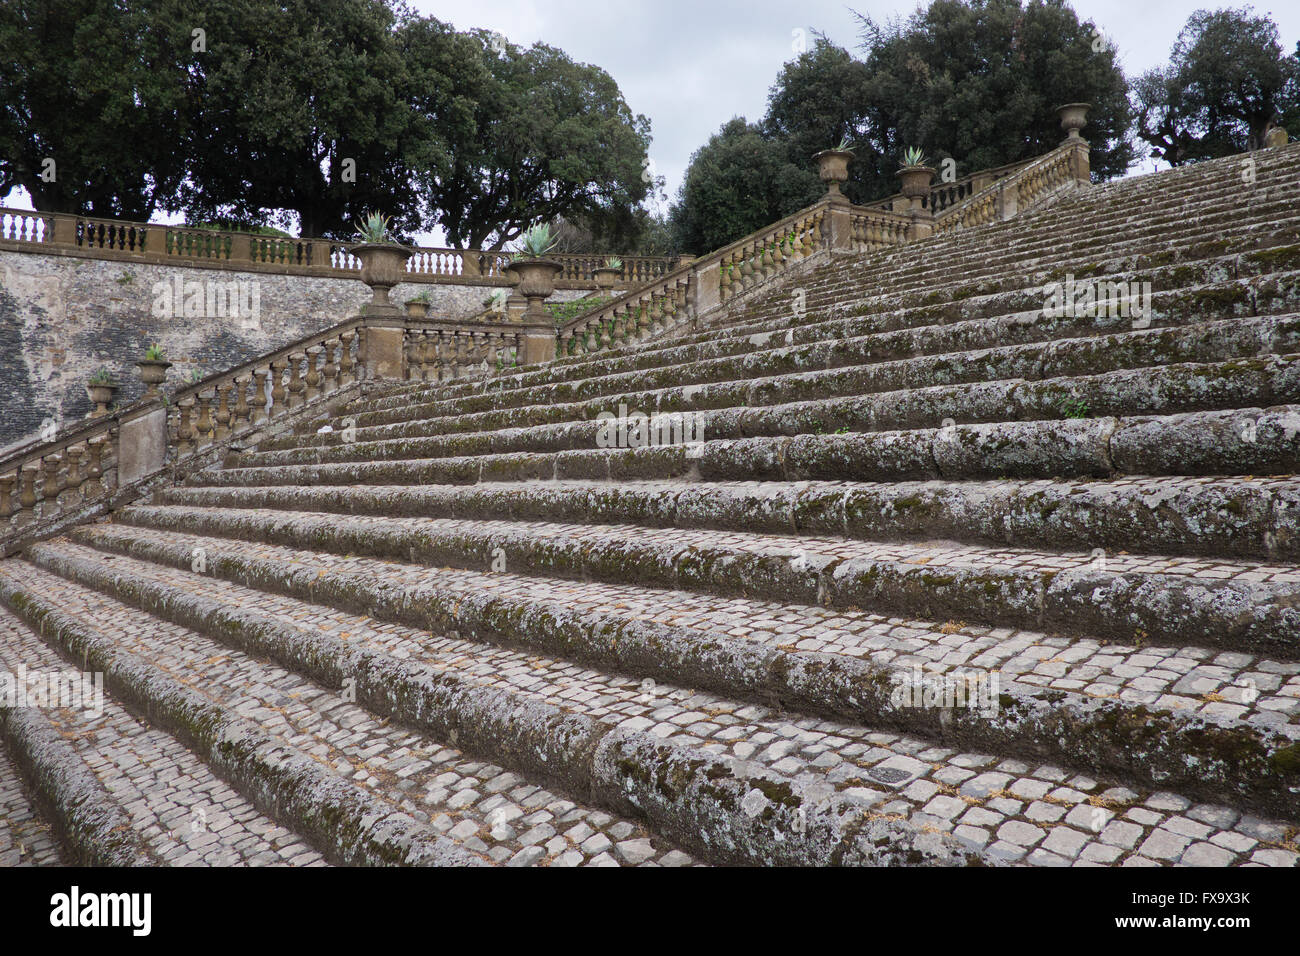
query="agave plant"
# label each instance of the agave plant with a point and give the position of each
(537, 242)
(845, 145)
(102, 376)
(154, 353)
(613, 262)
(373, 227)
(913, 156)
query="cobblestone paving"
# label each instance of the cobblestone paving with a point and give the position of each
(184, 812)
(1191, 679)
(1041, 815)
(25, 838)
(485, 808)
(937, 554)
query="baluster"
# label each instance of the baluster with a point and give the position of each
(410, 346)
(184, 430)
(259, 396)
(242, 418)
(313, 372)
(346, 373)
(93, 486)
(223, 411)
(204, 425)
(72, 488)
(493, 352)
(296, 385)
(566, 343)
(330, 373)
(278, 394)
(429, 356)
(50, 487)
(27, 496)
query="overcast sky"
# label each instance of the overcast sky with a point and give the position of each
(691, 65)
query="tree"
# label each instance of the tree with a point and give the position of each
(1227, 80)
(979, 81)
(103, 90)
(304, 109)
(738, 182)
(819, 100)
(545, 138)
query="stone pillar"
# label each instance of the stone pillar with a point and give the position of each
(63, 229)
(385, 355)
(707, 294)
(538, 344)
(142, 444)
(839, 226)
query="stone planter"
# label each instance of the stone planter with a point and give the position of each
(606, 277)
(915, 182)
(1074, 117)
(383, 265)
(153, 372)
(833, 168)
(102, 396)
(536, 282)
(416, 309)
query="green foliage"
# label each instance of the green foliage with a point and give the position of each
(1227, 79)
(102, 88)
(374, 227)
(154, 353)
(913, 156)
(526, 136)
(564, 311)
(1073, 408)
(613, 262)
(102, 376)
(537, 241)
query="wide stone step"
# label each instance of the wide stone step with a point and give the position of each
(26, 839)
(1255, 441)
(638, 631)
(1234, 605)
(341, 819)
(808, 372)
(541, 713)
(127, 792)
(1256, 518)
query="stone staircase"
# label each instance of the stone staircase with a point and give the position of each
(453, 628)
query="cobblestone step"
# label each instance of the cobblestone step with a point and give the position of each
(1232, 605)
(26, 839)
(1230, 517)
(603, 615)
(126, 792)
(338, 818)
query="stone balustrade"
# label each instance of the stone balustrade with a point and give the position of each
(156, 243)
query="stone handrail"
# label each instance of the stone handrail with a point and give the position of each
(681, 296)
(22, 229)
(944, 195)
(81, 468)
(1023, 187)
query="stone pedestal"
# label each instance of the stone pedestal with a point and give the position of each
(142, 445)
(384, 353)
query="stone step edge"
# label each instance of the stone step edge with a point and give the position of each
(87, 818)
(686, 794)
(346, 824)
(1254, 526)
(1228, 615)
(1216, 758)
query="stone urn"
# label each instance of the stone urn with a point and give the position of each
(915, 182)
(417, 308)
(1074, 117)
(383, 265)
(1275, 137)
(101, 393)
(606, 277)
(153, 372)
(833, 168)
(536, 282)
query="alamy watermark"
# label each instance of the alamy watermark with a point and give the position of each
(71, 689)
(636, 429)
(236, 299)
(976, 690)
(1092, 298)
